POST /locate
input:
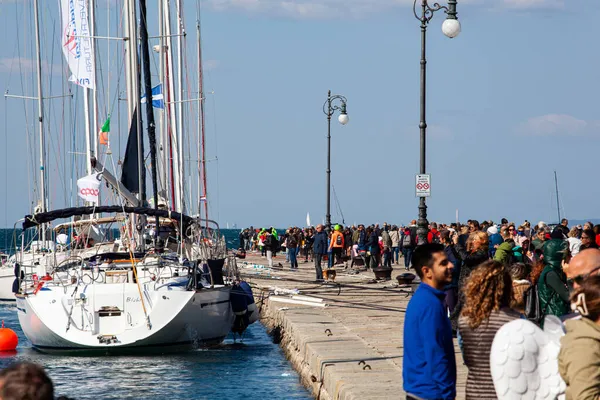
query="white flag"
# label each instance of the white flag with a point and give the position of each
(88, 188)
(76, 43)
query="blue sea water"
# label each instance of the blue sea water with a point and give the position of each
(254, 368)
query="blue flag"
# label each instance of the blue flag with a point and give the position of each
(157, 97)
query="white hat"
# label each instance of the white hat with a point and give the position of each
(492, 230)
(541, 224)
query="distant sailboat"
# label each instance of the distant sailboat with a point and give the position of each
(308, 219)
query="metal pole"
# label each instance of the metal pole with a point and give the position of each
(92, 7)
(180, 44)
(44, 203)
(422, 223)
(329, 112)
(557, 201)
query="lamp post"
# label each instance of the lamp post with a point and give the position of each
(450, 28)
(329, 108)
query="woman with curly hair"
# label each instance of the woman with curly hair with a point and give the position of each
(475, 253)
(488, 295)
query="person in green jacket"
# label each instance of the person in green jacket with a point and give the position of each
(552, 284)
(504, 250)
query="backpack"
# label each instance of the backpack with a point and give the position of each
(338, 240)
(407, 239)
(435, 238)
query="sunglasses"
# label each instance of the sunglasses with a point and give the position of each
(580, 278)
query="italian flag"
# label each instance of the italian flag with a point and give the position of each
(103, 134)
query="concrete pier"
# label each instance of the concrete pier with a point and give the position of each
(352, 347)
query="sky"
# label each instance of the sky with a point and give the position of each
(509, 101)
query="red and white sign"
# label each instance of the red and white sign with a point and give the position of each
(423, 185)
(88, 188)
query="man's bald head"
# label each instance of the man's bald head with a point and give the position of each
(583, 263)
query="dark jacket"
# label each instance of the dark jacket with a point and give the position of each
(552, 290)
(428, 365)
(373, 243)
(362, 240)
(469, 263)
(320, 243)
(453, 257)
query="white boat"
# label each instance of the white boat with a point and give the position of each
(119, 301)
(161, 284)
(113, 314)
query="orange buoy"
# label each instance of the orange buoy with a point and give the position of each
(8, 339)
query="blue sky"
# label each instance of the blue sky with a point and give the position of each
(511, 99)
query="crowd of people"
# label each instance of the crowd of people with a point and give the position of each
(476, 278)
(371, 246)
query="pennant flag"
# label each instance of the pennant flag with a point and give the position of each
(88, 188)
(103, 134)
(157, 97)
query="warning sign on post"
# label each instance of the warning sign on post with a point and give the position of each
(423, 185)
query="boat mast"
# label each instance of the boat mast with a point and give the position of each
(180, 35)
(557, 201)
(149, 107)
(173, 139)
(133, 103)
(164, 164)
(201, 142)
(92, 12)
(43, 175)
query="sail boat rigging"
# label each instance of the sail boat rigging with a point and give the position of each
(149, 106)
(203, 200)
(337, 203)
(557, 200)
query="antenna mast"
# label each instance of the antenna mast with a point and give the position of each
(557, 201)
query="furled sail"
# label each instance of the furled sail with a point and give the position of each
(129, 174)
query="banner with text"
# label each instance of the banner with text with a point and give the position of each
(76, 43)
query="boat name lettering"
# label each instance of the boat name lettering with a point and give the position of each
(133, 300)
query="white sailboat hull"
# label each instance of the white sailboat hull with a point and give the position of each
(7, 277)
(55, 320)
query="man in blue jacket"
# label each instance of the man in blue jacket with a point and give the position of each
(429, 366)
(319, 249)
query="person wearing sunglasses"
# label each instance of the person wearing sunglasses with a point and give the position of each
(588, 240)
(585, 264)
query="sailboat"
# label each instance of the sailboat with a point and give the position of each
(166, 282)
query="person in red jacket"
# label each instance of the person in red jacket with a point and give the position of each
(434, 235)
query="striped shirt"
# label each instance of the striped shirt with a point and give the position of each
(477, 345)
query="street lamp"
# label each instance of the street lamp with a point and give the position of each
(329, 109)
(450, 28)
